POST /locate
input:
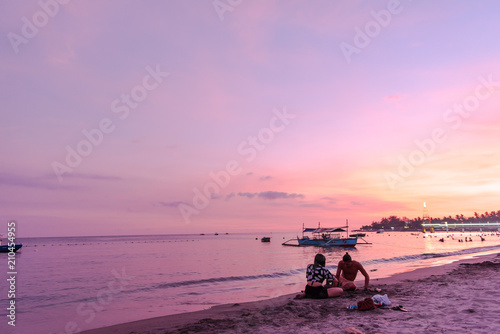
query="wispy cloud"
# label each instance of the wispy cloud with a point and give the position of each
(330, 200)
(8, 179)
(171, 204)
(93, 177)
(271, 195)
(312, 205)
(395, 97)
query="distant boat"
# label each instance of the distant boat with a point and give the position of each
(265, 239)
(325, 237)
(216, 233)
(7, 249)
(380, 231)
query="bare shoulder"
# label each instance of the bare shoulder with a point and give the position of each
(357, 264)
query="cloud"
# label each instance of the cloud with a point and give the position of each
(93, 177)
(171, 204)
(330, 200)
(271, 195)
(249, 195)
(312, 205)
(30, 182)
(356, 203)
(395, 97)
(265, 178)
(215, 196)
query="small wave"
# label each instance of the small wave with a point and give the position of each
(224, 279)
(208, 282)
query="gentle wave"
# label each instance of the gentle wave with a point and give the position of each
(293, 272)
(224, 279)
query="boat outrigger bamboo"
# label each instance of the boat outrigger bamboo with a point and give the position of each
(326, 237)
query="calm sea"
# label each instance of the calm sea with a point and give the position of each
(91, 282)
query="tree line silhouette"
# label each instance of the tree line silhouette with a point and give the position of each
(415, 224)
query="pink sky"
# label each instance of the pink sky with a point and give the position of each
(298, 130)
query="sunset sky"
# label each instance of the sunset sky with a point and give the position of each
(128, 117)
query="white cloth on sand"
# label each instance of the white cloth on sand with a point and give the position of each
(379, 299)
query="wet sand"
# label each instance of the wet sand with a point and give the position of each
(461, 297)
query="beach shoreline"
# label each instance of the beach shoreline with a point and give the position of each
(457, 296)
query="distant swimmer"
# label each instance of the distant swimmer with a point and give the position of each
(347, 271)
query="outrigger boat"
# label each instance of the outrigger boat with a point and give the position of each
(324, 237)
(7, 249)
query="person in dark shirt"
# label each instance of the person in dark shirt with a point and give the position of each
(316, 274)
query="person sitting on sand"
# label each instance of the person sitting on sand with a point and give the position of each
(347, 271)
(317, 273)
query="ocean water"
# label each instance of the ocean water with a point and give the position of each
(77, 283)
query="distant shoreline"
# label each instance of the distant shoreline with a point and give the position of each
(255, 234)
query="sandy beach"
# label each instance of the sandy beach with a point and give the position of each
(462, 297)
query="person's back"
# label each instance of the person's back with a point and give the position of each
(350, 269)
(347, 271)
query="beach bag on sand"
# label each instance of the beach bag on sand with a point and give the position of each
(366, 304)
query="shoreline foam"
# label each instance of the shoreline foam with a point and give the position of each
(460, 296)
